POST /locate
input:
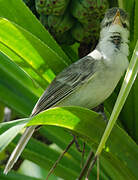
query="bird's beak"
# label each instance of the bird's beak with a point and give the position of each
(117, 19)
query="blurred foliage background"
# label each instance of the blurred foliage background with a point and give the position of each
(38, 39)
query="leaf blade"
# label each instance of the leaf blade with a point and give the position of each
(21, 15)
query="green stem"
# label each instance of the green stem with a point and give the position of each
(125, 89)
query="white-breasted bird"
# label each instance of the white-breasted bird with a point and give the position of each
(90, 80)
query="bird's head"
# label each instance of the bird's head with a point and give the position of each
(115, 16)
(115, 28)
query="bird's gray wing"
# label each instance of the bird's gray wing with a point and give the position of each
(65, 83)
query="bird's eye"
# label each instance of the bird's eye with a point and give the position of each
(108, 23)
(124, 25)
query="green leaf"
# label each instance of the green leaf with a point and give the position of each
(25, 66)
(40, 153)
(70, 119)
(71, 51)
(45, 157)
(11, 133)
(1, 112)
(33, 51)
(90, 126)
(13, 87)
(21, 15)
(15, 176)
(136, 22)
(11, 69)
(56, 134)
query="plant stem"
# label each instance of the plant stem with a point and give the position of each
(85, 167)
(60, 157)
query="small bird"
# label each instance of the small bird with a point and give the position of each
(90, 80)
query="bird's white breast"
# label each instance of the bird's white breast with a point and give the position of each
(99, 87)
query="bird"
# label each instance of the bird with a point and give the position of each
(89, 81)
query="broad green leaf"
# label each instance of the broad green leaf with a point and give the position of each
(129, 113)
(1, 112)
(32, 151)
(33, 51)
(21, 15)
(90, 126)
(12, 70)
(15, 95)
(39, 153)
(136, 22)
(71, 51)
(56, 134)
(45, 157)
(65, 114)
(36, 78)
(15, 176)
(7, 136)
(36, 171)
(5, 126)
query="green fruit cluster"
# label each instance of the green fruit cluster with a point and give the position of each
(54, 7)
(69, 21)
(89, 14)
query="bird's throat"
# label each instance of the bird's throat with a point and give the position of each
(113, 40)
(116, 40)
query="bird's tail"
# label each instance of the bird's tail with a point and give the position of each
(19, 148)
